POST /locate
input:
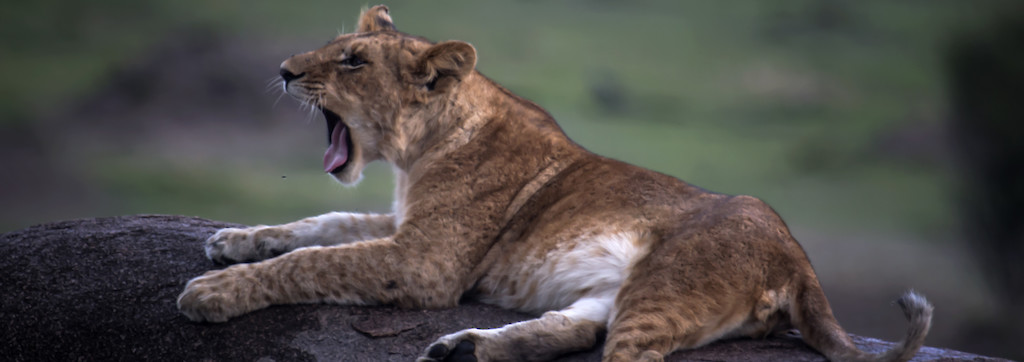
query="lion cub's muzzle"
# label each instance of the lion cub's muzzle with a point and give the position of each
(287, 76)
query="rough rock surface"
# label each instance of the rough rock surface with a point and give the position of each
(105, 289)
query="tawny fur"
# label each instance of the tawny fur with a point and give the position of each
(494, 201)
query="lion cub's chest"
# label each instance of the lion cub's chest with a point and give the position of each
(534, 279)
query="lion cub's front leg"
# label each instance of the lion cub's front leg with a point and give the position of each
(381, 271)
(233, 245)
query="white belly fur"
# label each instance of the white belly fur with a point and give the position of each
(595, 268)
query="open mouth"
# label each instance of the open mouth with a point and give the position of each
(339, 143)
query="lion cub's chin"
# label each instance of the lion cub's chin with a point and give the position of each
(350, 175)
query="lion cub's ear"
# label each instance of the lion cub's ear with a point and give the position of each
(375, 19)
(445, 64)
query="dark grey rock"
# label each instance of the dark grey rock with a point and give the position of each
(105, 289)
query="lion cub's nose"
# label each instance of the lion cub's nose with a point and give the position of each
(288, 76)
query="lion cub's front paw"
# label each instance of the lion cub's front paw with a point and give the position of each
(219, 295)
(233, 245)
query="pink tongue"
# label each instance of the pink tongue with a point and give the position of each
(337, 152)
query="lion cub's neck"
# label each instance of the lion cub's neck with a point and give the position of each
(453, 122)
(487, 129)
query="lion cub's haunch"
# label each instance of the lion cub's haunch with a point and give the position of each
(494, 201)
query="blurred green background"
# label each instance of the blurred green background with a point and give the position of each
(835, 112)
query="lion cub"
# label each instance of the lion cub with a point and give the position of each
(493, 200)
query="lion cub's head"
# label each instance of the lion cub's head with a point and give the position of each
(382, 92)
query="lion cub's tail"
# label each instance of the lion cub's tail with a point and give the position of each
(811, 314)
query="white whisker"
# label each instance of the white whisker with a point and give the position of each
(272, 83)
(311, 106)
(277, 100)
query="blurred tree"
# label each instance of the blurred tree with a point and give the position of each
(987, 83)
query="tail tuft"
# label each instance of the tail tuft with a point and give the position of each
(919, 312)
(915, 305)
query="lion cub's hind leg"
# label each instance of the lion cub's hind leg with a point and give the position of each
(555, 333)
(676, 299)
(233, 245)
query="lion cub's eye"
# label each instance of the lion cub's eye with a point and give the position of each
(352, 61)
